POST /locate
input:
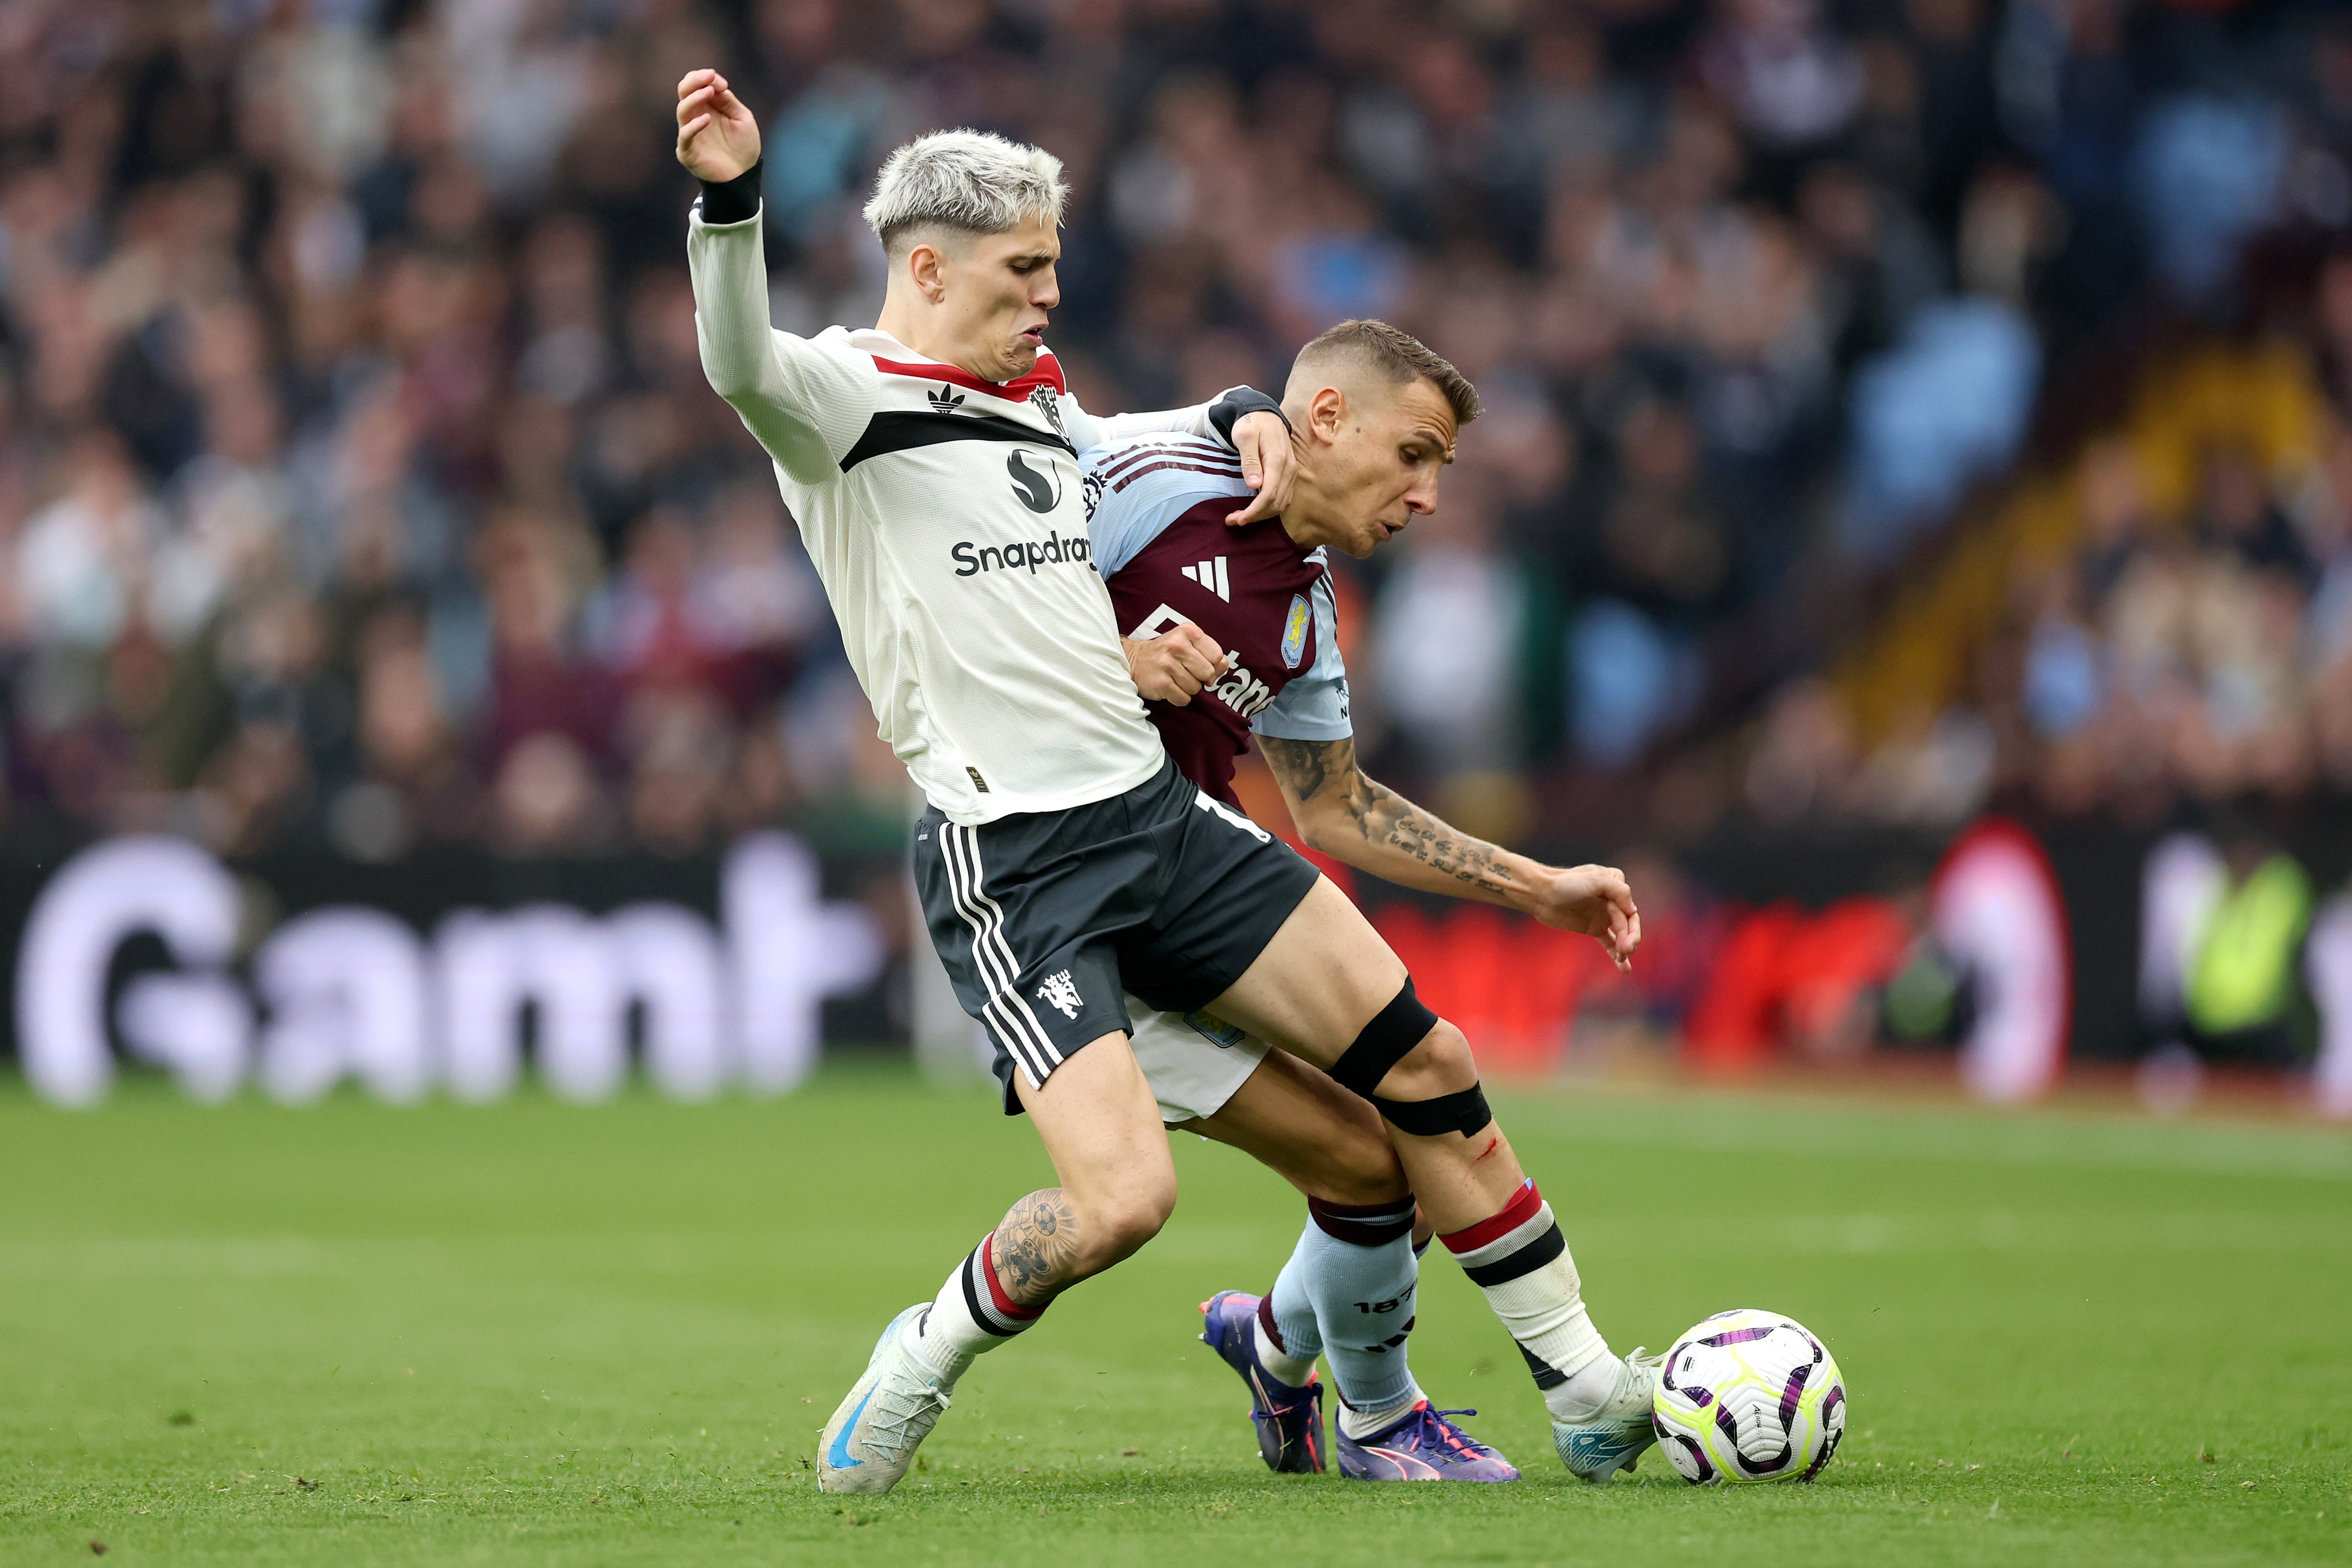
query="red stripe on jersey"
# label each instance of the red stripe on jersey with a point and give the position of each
(1134, 474)
(1516, 1213)
(1048, 373)
(1169, 446)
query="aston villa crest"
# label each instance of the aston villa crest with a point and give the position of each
(1294, 630)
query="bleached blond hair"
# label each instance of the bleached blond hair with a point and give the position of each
(964, 183)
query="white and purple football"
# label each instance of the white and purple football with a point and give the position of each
(1749, 1396)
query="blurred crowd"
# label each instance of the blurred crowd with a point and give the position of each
(359, 485)
(2158, 625)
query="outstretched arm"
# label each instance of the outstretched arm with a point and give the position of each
(1369, 826)
(805, 405)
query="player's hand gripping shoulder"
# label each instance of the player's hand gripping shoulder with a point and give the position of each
(718, 136)
(1270, 465)
(1355, 818)
(1173, 666)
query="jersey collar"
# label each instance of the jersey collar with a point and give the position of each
(892, 358)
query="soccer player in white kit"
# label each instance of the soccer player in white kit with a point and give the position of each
(931, 464)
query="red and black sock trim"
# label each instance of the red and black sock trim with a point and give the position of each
(1362, 1225)
(1519, 1239)
(992, 1309)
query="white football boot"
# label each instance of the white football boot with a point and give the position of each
(871, 1437)
(1613, 1437)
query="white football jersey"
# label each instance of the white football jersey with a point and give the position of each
(945, 517)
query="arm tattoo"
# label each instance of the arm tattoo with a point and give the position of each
(1036, 1247)
(1308, 768)
(1303, 766)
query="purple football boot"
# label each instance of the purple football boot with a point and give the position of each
(1423, 1446)
(1290, 1420)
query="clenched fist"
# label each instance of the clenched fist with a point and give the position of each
(718, 138)
(1173, 666)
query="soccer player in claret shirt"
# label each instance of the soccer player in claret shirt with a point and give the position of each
(1064, 861)
(1230, 633)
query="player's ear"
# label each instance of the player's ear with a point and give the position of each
(927, 269)
(1326, 414)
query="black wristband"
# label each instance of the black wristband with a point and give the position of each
(1232, 408)
(734, 200)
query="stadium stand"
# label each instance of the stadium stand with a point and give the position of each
(1897, 407)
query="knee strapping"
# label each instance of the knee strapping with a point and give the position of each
(1394, 1030)
(1463, 1111)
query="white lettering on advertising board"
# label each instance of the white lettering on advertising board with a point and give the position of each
(349, 991)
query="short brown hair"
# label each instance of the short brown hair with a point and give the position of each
(1399, 357)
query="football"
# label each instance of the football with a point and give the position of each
(1749, 1396)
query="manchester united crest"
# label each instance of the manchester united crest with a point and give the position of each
(1049, 403)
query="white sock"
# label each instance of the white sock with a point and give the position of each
(1359, 1424)
(1289, 1368)
(1545, 1313)
(1591, 1387)
(971, 1316)
(1518, 1258)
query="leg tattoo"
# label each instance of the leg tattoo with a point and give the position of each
(1036, 1247)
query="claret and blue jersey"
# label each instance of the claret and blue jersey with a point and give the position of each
(1156, 513)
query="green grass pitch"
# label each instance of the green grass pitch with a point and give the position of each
(539, 1334)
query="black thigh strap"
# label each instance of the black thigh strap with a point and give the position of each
(1463, 1111)
(1395, 1029)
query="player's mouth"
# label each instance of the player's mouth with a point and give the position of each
(1033, 335)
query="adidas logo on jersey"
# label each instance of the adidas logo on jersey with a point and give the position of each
(945, 401)
(1210, 575)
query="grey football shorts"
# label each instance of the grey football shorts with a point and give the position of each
(1044, 919)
